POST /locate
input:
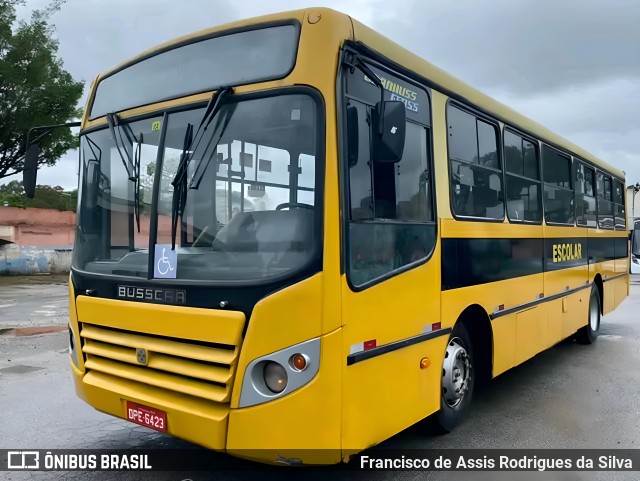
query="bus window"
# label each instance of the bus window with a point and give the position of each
(476, 179)
(558, 192)
(618, 196)
(605, 204)
(391, 216)
(585, 190)
(523, 179)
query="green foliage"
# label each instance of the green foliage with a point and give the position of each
(47, 197)
(35, 90)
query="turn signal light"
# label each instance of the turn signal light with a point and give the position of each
(298, 362)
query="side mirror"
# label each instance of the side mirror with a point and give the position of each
(30, 171)
(390, 130)
(352, 136)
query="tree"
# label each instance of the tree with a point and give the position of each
(47, 197)
(35, 90)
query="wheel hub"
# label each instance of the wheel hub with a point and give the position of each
(456, 372)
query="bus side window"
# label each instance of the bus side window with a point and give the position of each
(584, 181)
(522, 166)
(605, 204)
(558, 188)
(391, 212)
(476, 176)
(621, 219)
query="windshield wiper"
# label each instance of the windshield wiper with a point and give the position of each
(136, 187)
(131, 165)
(114, 121)
(179, 182)
(212, 147)
(179, 186)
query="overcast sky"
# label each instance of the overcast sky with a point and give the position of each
(573, 66)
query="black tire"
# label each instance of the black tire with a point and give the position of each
(589, 333)
(452, 413)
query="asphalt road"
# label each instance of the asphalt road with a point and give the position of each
(570, 396)
(32, 301)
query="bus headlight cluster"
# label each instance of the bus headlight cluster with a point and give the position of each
(277, 374)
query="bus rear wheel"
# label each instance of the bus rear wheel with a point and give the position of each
(458, 376)
(589, 333)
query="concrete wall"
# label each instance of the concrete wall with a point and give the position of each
(37, 227)
(35, 241)
(16, 259)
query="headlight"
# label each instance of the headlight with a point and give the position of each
(275, 377)
(280, 373)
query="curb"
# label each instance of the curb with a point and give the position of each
(31, 331)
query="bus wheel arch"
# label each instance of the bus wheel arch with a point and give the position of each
(477, 321)
(467, 363)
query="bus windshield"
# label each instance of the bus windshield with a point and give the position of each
(250, 194)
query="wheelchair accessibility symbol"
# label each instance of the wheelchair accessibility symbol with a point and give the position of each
(166, 260)
(164, 266)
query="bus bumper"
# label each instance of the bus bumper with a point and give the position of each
(200, 422)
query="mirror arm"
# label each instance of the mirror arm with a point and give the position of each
(47, 129)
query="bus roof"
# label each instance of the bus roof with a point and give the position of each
(386, 47)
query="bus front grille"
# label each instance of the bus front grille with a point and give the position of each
(200, 369)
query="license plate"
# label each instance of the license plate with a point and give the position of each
(146, 416)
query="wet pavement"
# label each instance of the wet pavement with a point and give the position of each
(29, 301)
(570, 396)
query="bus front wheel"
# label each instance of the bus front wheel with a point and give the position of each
(589, 333)
(458, 375)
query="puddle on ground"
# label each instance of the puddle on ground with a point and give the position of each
(20, 369)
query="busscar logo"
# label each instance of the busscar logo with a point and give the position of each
(23, 460)
(150, 294)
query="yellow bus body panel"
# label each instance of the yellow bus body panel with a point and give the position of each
(282, 319)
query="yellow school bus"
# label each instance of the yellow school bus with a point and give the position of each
(295, 239)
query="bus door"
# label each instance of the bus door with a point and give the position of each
(391, 285)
